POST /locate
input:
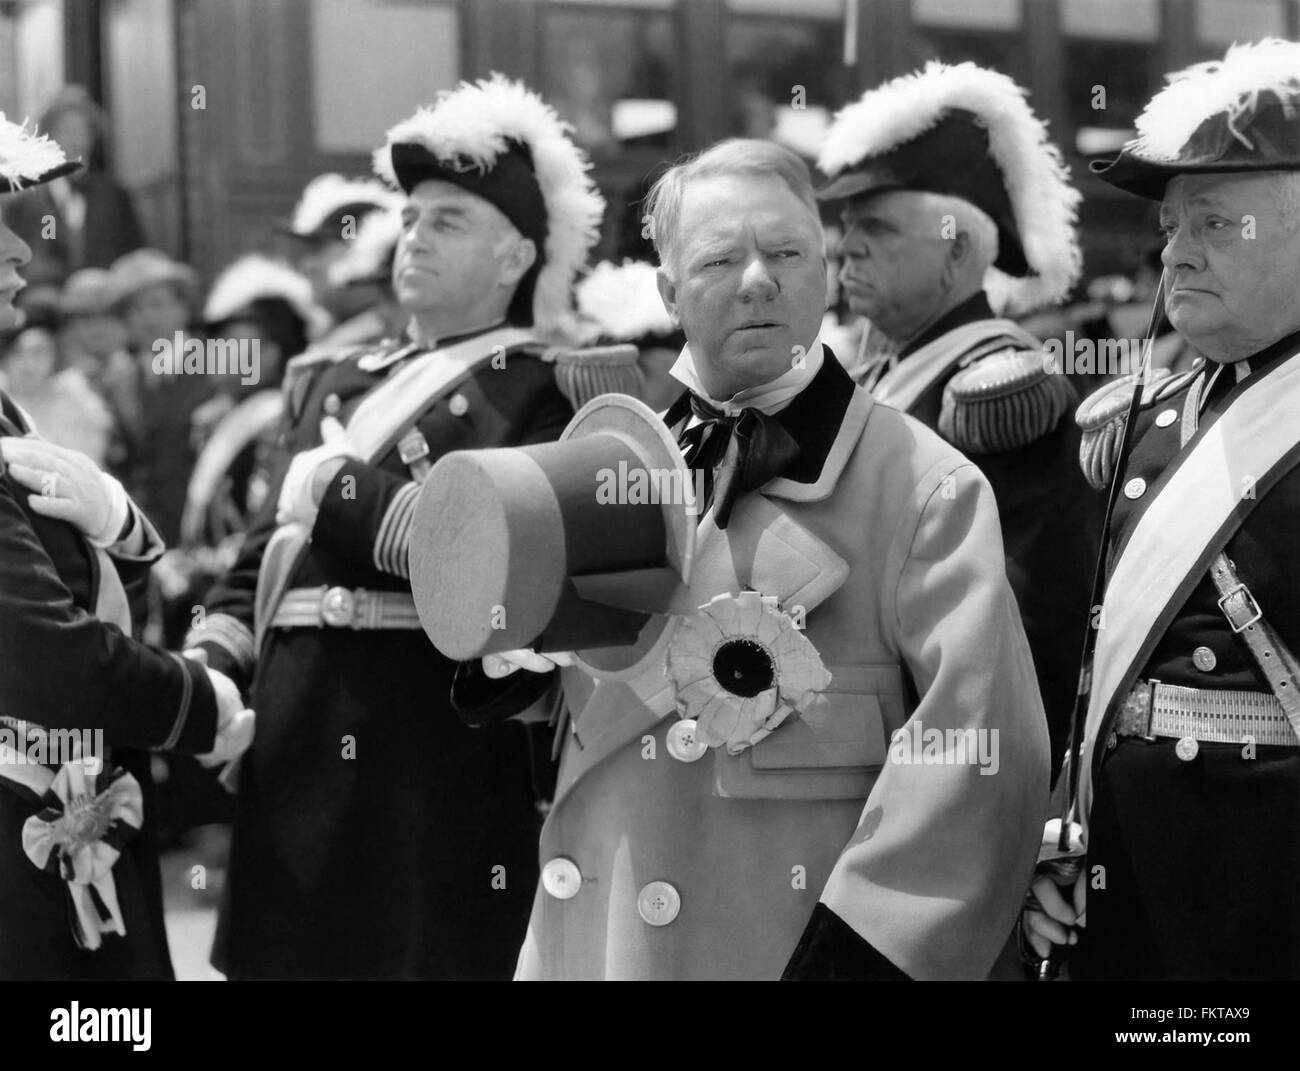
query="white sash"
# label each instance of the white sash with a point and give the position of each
(376, 424)
(1179, 533)
(916, 373)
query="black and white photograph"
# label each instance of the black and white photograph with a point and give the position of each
(649, 490)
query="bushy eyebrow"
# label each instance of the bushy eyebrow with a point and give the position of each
(1200, 200)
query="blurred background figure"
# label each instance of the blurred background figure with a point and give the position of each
(60, 400)
(82, 220)
(325, 222)
(365, 273)
(267, 303)
(92, 337)
(621, 304)
(155, 297)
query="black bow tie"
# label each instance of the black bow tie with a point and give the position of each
(737, 453)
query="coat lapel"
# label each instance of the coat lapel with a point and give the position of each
(763, 548)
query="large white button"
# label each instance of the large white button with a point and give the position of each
(1164, 419)
(562, 878)
(683, 743)
(1135, 488)
(459, 405)
(658, 903)
(1186, 748)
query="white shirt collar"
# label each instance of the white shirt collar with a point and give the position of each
(769, 398)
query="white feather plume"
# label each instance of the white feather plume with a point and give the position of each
(1036, 178)
(622, 302)
(474, 122)
(26, 155)
(1231, 85)
(369, 253)
(324, 195)
(256, 276)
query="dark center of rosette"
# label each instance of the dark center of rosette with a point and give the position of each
(744, 668)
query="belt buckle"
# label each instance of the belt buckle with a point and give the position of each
(412, 447)
(1135, 712)
(1250, 602)
(338, 607)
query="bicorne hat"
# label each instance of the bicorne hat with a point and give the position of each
(966, 132)
(1237, 114)
(502, 142)
(30, 159)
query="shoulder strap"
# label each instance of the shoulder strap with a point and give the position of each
(914, 374)
(386, 411)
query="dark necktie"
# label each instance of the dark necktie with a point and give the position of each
(737, 453)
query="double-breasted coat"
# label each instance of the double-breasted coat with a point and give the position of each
(376, 835)
(824, 850)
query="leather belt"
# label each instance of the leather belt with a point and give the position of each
(1154, 709)
(340, 607)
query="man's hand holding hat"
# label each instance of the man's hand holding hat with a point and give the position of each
(505, 663)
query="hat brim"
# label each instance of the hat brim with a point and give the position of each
(1149, 178)
(634, 422)
(180, 276)
(69, 167)
(859, 184)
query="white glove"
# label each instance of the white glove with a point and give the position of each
(68, 486)
(297, 501)
(501, 665)
(234, 722)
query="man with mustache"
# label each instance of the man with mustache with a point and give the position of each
(817, 849)
(950, 186)
(80, 893)
(375, 838)
(1189, 779)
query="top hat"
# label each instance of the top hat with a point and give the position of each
(1238, 114)
(584, 544)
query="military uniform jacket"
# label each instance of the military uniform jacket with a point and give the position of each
(63, 668)
(1199, 854)
(888, 538)
(370, 819)
(1016, 427)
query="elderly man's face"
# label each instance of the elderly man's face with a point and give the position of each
(14, 254)
(748, 282)
(457, 257)
(1232, 262)
(894, 254)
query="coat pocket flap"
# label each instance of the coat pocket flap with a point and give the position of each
(839, 729)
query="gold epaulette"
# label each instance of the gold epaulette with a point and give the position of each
(585, 373)
(1003, 401)
(1102, 416)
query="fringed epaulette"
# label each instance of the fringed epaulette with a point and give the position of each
(583, 374)
(302, 370)
(1003, 401)
(1104, 413)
